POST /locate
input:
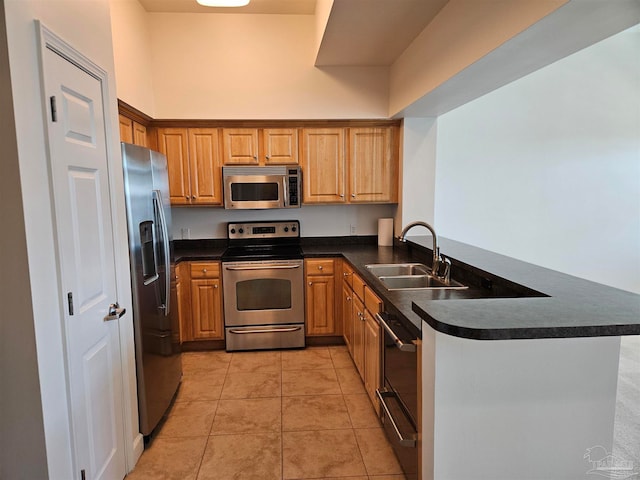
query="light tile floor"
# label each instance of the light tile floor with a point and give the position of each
(291, 414)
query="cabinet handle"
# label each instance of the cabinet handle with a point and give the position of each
(267, 157)
(255, 157)
(346, 274)
(215, 286)
(187, 197)
(353, 195)
(204, 270)
(193, 197)
(342, 195)
(310, 283)
(319, 267)
(348, 298)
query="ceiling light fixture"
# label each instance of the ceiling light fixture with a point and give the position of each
(223, 3)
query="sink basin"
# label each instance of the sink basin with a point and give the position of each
(410, 276)
(417, 282)
(395, 269)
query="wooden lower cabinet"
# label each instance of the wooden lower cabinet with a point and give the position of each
(200, 301)
(358, 334)
(183, 299)
(361, 331)
(320, 289)
(347, 316)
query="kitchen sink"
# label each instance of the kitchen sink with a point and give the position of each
(416, 282)
(410, 276)
(395, 269)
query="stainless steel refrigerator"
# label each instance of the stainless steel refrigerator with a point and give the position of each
(157, 343)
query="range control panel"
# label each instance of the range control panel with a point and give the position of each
(249, 230)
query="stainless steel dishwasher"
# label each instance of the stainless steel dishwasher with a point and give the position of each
(399, 394)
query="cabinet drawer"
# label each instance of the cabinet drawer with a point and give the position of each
(358, 286)
(205, 269)
(347, 274)
(371, 301)
(324, 266)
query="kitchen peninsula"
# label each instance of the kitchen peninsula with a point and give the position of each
(518, 371)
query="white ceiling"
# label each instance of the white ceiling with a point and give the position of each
(359, 32)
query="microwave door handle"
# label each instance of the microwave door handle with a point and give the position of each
(285, 191)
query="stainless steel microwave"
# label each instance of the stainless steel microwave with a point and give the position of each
(262, 187)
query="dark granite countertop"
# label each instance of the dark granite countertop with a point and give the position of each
(188, 250)
(507, 298)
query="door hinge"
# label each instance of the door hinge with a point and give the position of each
(54, 110)
(70, 302)
(83, 475)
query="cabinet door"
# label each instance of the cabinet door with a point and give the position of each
(206, 309)
(183, 302)
(140, 134)
(358, 334)
(126, 129)
(173, 142)
(240, 146)
(347, 316)
(323, 164)
(280, 146)
(321, 318)
(204, 166)
(372, 165)
(372, 348)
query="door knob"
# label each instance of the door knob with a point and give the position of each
(115, 312)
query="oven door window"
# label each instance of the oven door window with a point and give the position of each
(254, 192)
(263, 294)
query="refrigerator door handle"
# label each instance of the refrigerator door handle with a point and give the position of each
(157, 199)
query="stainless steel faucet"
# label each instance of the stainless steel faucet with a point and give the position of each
(437, 260)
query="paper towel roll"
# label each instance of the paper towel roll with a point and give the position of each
(385, 232)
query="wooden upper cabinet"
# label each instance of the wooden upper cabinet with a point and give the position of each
(140, 135)
(372, 165)
(280, 146)
(204, 166)
(126, 129)
(240, 146)
(323, 163)
(193, 158)
(132, 131)
(174, 144)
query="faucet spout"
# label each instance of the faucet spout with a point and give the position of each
(437, 260)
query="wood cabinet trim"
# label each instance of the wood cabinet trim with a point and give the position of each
(134, 114)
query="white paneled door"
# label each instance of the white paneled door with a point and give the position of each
(80, 182)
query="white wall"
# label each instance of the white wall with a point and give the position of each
(315, 220)
(418, 172)
(85, 24)
(242, 66)
(132, 54)
(547, 169)
(463, 32)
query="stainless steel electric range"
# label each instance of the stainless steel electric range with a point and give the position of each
(263, 282)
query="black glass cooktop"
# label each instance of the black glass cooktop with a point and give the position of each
(238, 253)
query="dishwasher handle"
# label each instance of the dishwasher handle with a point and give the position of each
(402, 346)
(383, 394)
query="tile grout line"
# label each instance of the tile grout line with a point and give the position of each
(206, 444)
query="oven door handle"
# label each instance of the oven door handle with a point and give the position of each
(264, 267)
(265, 330)
(403, 347)
(382, 394)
